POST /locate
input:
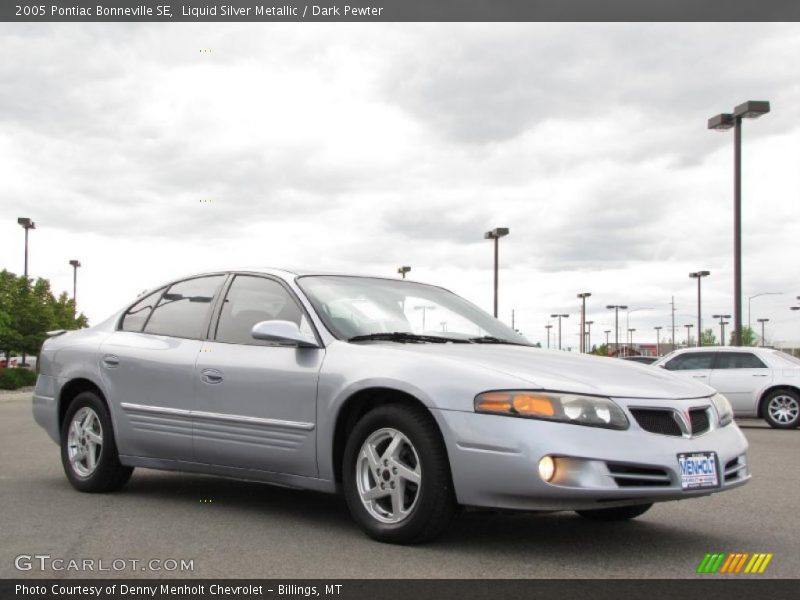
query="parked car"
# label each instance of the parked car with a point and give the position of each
(644, 360)
(404, 396)
(758, 382)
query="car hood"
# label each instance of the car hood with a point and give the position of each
(565, 371)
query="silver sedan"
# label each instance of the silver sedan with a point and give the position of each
(405, 397)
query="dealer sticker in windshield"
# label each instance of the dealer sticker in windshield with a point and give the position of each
(698, 470)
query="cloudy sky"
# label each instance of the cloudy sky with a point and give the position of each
(361, 147)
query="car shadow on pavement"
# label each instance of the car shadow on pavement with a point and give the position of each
(471, 532)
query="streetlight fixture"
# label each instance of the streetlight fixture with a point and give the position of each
(588, 346)
(559, 316)
(688, 333)
(699, 276)
(548, 327)
(616, 308)
(75, 264)
(495, 234)
(722, 324)
(750, 299)
(658, 329)
(748, 110)
(763, 339)
(583, 296)
(27, 224)
(403, 271)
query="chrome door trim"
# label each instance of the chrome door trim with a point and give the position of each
(218, 416)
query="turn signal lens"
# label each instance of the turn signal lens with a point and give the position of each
(532, 405)
(547, 468)
(498, 402)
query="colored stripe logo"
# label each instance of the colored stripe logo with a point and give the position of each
(735, 563)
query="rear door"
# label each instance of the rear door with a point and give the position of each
(257, 401)
(740, 376)
(148, 368)
(692, 365)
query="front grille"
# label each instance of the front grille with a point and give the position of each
(699, 420)
(628, 476)
(657, 421)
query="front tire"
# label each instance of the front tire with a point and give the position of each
(618, 513)
(396, 476)
(782, 409)
(88, 449)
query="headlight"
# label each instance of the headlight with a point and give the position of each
(723, 408)
(592, 411)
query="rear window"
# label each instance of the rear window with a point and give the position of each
(691, 361)
(738, 360)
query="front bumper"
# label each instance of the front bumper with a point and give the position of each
(494, 461)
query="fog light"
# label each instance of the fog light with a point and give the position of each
(547, 468)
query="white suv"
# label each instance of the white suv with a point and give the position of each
(759, 382)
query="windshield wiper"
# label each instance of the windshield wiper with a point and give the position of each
(403, 336)
(490, 339)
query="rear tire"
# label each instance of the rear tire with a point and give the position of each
(782, 409)
(396, 475)
(88, 449)
(618, 513)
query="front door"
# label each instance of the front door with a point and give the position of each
(693, 365)
(256, 401)
(739, 376)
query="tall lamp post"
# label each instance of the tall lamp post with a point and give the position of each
(748, 110)
(616, 308)
(588, 347)
(583, 296)
(699, 276)
(559, 316)
(722, 327)
(763, 339)
(495, 234)
(27, 224)
(403, 271)
(630, 333)
(607, 332)
(688, 334)
(548, 327)
(75, 264)
(658, 340)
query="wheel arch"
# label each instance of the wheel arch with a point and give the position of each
(357, 405)
(762, 401)
(71, 389)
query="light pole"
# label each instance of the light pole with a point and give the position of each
(607, 332)
(27, 224)
(559, 316)
(750, 299)
(424, 308)
(763, 339)
(588, 346)
(722, 327)
(403, 271)
(658, 340)
(616, 308)
(699, 276)
(630, 333)
(495, 234)
(583, 296)
(548, 327)
(75, 264)
(748, 110)
(688, 334)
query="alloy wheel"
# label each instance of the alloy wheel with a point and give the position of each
(84, 442)
(783, 409)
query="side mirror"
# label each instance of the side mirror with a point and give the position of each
(282, 332)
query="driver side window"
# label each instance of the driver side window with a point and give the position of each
(251, 300)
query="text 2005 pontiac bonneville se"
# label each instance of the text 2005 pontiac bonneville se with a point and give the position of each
(404, 396)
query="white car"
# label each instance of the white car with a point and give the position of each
(758, 382)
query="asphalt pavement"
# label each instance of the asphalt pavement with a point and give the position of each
(250, 530)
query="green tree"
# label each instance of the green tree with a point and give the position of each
(749, 337)
(708, 338)
(600, 350)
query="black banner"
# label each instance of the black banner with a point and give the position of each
(394, 589)
(399, 10)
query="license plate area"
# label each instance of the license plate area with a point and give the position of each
(699, 470)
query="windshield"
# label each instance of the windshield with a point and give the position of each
(359, 306)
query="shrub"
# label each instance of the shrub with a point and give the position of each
(15, 378)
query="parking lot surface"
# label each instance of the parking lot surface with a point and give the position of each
(243, 530)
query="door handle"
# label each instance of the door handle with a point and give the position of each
(211, 376)
(110, 361)
(699, 376)
(759, 375)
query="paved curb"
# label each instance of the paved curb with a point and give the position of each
(16, 395)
